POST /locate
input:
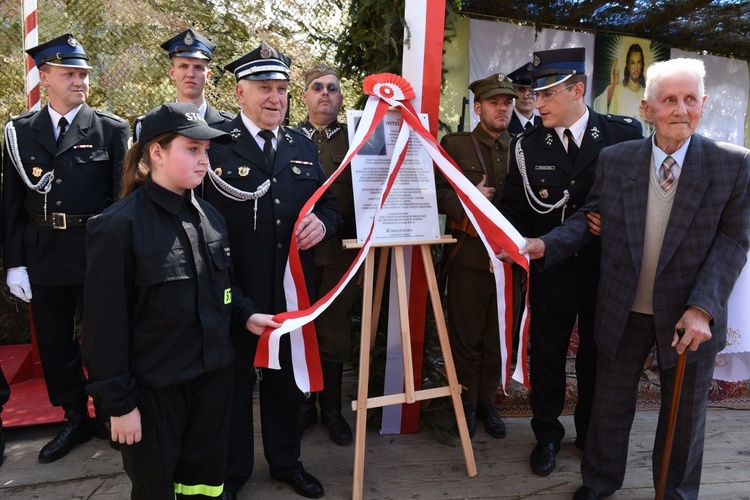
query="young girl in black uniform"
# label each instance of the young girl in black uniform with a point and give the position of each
(158, 303)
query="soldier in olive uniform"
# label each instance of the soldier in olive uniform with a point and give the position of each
(190, 53)
(550, 174)
(323, 98)
(259, 184)
(62, 165)
(473, 327)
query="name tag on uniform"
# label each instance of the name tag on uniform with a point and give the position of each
(544, 167)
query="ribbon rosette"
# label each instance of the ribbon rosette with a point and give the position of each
(387, 90)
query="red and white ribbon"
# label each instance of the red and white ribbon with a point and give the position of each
(387, 90)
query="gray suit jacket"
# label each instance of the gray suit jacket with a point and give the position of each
(704, 249)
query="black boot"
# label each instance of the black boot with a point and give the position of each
(493, 424)
(470, 412)
(330, 404)
(78, 428)
(308, 412)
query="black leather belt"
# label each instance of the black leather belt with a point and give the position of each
(58, 220)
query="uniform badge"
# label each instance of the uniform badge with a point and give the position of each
(36, 171)
(595, 133)
(500, 77)
(217, 171)
(243, 171)
(189, 40)
(536, 60)
(549, 139)
(72, 41)
(265, 51)
(543, 194)
(627, 120)
(296, 170)
(289, 139)
(235, 133)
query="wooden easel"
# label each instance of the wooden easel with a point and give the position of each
(369, 326)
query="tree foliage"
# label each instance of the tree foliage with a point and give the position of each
(719, 27)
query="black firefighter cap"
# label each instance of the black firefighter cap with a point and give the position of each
(62, 51)
(190, 44)
(263, 63)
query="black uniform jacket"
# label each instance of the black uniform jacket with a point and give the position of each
(550, 173)
(333, 143)
(88, 167)
(260, 247)
(515, 128)
(213, 117)
(158, 296)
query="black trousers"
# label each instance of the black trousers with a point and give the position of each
(550, 336)
(54, 311)
(280, 402)
(183, 451)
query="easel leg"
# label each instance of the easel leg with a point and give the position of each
(364, 378)
(450, 368)
(403, 315)
(384, 252)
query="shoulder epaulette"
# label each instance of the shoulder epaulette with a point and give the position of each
(226, 114)
(23, 115)
(622, 119)
(107, 114)
(457, 134)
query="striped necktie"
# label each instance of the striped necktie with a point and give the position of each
(666, 176)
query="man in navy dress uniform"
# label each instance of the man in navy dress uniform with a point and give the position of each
(62, 165)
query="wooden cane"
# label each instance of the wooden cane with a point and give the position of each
(669, 438)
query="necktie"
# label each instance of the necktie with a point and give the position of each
(63, 123)
(666, 176)
(268, 150)
(572, 146)
(527, 126)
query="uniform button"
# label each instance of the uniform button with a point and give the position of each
(573, 182)
(91, 157)
(320, 152)
(229, 173)
(543, 181)
(500, 183)
(274, 180)
(58, 203)
(320, 140)
(497, 160)
(574, 207)
(278, 222)
(33, 157)
(277, 201)
(58, 181)
(279, 246)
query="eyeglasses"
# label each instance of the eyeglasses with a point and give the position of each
(332, 88)
(546, 95)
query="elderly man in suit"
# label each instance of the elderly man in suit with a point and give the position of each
(550, 173)
(260, 183)
(675, 231)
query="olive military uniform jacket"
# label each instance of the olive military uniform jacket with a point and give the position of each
(88, 170)
(460, 147)
(333, 143)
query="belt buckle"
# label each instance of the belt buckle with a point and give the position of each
(59, 221)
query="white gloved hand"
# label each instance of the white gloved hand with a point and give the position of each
(18, 283)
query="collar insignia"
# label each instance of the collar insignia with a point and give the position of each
(236, 133)
(595, 133)
(308, 131)
(289, 138)
(549, 139)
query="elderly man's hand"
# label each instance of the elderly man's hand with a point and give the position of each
(696, 324)
(595, 223)
(310, 232)
(534, 248)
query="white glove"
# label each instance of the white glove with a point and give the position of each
(18, 282)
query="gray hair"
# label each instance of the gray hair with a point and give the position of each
(683, 66)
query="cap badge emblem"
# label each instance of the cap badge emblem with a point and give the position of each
(536, 60)
(72, 41)
(548, 139)
(36, 171)
(189, 40)
(265, 51)
(243, 171)
(543, 194)
(500, 77)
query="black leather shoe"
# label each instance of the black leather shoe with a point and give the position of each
(228, 495)
(470, 412)
(585, 493)
(304, 484)
(74, 432)
(542, 458)
(493, 424)
(338, 428)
